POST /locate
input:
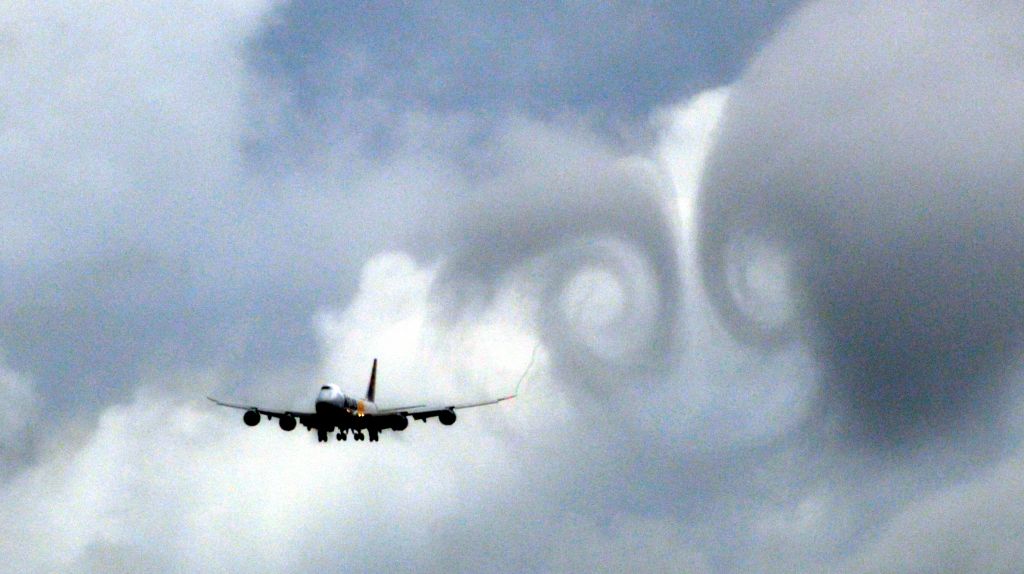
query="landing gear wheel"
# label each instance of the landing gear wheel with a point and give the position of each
(321, 436)
(359, 435)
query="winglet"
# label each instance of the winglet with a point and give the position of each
(372, 389)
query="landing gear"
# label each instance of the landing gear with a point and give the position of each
(323, 435)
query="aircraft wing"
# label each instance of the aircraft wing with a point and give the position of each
(301, 417)
(423, 412)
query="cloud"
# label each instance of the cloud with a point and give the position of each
(567, 212)
(184, 220)
(863, 171)
(626, 544)
(19, 407)
(614, 59)
(969, 527)
(121, 160)
(107, 110)
(150, 260)
(141, 230)
(397, 321)
(168, 482)
(165, 481)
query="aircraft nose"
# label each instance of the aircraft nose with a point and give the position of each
(326, 391)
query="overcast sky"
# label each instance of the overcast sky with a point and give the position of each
(764, 259)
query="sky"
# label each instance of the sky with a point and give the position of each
(759, 262)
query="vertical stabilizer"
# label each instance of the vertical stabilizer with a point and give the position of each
(372, 389)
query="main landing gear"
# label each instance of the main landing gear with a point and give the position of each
(342, 435)
(358, 435)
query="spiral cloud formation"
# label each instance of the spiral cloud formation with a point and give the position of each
(869, 157)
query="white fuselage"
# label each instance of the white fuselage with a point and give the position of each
(331, 400)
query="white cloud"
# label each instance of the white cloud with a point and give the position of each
(686, 138)
(19, 404)
(168, 482)
(118, 117)
(395, 319)
(171, 483)
(976, 526)
(726, 393)
(126, 210)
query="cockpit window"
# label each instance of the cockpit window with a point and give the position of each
(325, 388)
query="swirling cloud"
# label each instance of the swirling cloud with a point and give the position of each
(866, 170)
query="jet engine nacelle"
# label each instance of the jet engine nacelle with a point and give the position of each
(287, 423)
(400, 423)
(251, 418)
(447, 418)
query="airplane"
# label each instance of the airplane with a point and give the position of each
(334, 411)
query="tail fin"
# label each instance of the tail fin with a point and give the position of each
(372, 389)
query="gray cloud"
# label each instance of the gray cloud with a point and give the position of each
(969, 527)
(138, 236)
(870, 148)
(122, 183)
(594, 232)
(19, 405)
(615, 59)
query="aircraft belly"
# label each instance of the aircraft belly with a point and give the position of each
(333, 415)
